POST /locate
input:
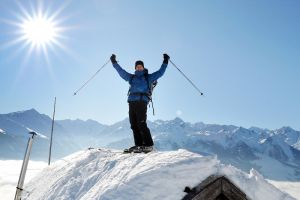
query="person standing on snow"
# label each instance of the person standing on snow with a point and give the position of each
(138, 99)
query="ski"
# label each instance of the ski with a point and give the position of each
(125, 151)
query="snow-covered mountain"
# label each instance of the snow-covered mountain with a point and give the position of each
(17, 123)
(107, 174)
(274, 153)
(67, 135)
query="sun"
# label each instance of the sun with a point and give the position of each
(39, 31)
(39, 27)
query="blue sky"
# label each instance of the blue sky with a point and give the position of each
(244, 55)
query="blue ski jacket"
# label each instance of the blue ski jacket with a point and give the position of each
(138, 82)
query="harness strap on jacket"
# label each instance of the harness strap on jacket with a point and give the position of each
(149, 94)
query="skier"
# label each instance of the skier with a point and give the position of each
(138, 99)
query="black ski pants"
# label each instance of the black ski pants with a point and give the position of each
(137, 118)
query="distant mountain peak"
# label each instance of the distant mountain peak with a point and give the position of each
(286, 129)
(30, 111)
(178, 120)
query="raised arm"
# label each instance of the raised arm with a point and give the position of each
(156, 75)
(125, 75)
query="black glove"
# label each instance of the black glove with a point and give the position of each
(166, 58)
(113, 59)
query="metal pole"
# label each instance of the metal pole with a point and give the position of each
(50, 150)
(201, 93)
(24, 167)
(91, 78)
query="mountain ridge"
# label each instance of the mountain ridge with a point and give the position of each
(245, 148)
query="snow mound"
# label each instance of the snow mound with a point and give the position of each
(108, 174)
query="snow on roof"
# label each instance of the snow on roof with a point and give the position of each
(109, 174)
(2, 131)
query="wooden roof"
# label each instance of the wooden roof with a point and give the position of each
(215, 187)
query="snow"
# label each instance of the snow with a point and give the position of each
(9, 175)
(292, 188)
(2, 131)
(39, 134)
(109, 174)
(262, 141)
(278, 172)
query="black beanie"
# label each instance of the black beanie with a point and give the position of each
(139, 62)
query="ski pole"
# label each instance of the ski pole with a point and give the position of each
(91, 78)
(201, 93)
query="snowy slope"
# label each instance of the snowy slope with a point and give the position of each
(107, 175)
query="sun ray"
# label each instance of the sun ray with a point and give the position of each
(55, 14)
(24, 13)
